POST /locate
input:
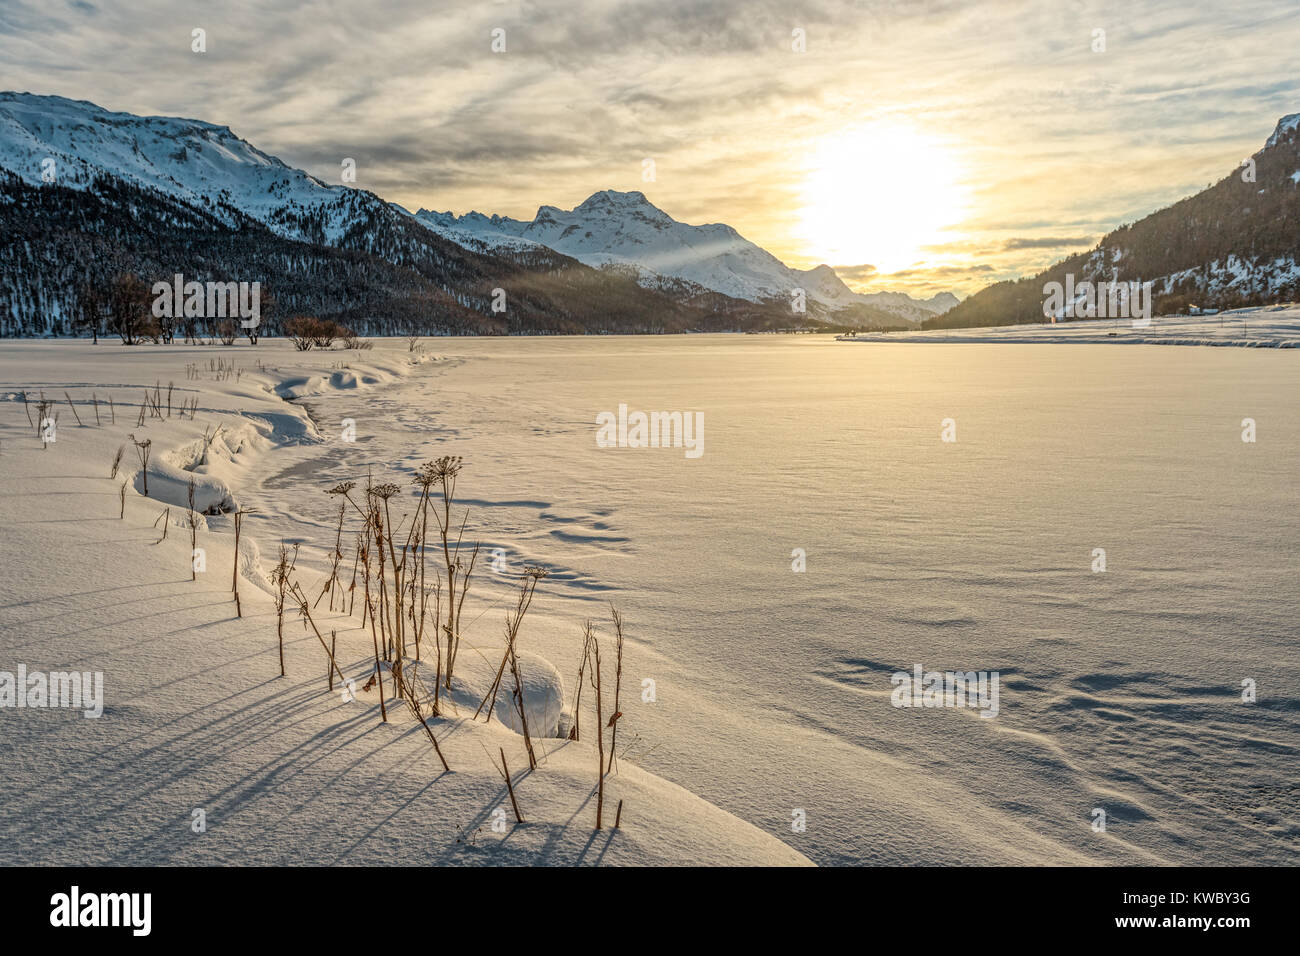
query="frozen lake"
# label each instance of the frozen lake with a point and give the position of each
(1120, 690)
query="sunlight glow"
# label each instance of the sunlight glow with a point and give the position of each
(879, 194)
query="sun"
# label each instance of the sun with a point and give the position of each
(877, 195)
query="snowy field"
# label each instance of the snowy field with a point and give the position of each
(1121, 690)
(195, 714)
(1270, 327)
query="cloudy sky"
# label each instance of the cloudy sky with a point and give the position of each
(918, 145)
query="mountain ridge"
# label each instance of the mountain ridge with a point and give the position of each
(1234, 244)
(623, 228)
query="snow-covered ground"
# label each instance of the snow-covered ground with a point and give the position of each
(197, 723)
(1121, 691)
(1267, 327)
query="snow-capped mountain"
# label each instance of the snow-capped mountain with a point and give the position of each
(49, 139)
(625, 229)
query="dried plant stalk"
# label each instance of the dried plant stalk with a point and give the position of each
(618, 679)
(142, 449)
(280, 577)
(505, 772)
(594, 677)
(74, 409)
(305, 610)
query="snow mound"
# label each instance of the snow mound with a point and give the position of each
(307, 385)
(170, 483)
(285, 428)
(543, 697)
(298, 387)
(207, 462)
(250, 565)
(543, 690)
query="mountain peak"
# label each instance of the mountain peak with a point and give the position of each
(193, 161)
(613, 199)
(51, 110)
(1285, 125)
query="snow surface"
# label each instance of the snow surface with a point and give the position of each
(196, 715)
(1119, 690)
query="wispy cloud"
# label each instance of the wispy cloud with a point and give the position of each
(1048, 242)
